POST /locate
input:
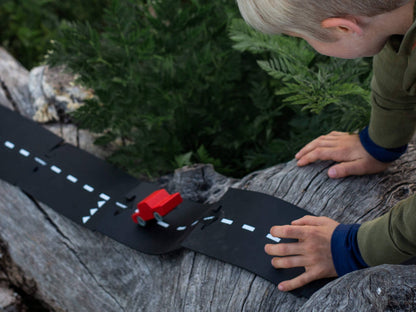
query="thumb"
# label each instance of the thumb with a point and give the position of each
(345, 169)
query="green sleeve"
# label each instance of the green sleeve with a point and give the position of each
(390, 238)
(393, 114)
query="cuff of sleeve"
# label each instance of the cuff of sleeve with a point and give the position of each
(344, 248)
(385, 155)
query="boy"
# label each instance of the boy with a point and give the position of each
(350, 29)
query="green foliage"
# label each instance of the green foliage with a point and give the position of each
(172, 89)
(27, 26)
(169, 85)
(324, 93)
(302, 77)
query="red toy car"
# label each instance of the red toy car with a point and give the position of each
(155, 206)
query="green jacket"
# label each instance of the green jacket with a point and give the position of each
(392, 237)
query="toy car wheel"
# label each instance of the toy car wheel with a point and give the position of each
(140, 221)
(157, 216)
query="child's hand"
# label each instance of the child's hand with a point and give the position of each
(344, 148)
(312, 251)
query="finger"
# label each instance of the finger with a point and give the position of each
(288, 231)
(289, 262)
(320, 153)
(299, 281)
(356, 167)
(330, 138)
(322, 141)
(310, 220)
(282, 250)
(338, 133)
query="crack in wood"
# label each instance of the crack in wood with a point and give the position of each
(71, 249)
(9, 95)
(93, 277)
(45, 214)
(247, 294)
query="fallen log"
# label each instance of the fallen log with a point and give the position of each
(70, 268)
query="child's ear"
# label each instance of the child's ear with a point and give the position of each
(346, 24)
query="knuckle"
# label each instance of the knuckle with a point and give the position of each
(310, 250)
(282, 249)
(271, 249)
(319, 153)
(342, 171)
(277, 231)
(286, 262)
(285, 231)
(313, 231)
(308, 219)
(361, 166)
(314, 256)
(317, 273)
(303, 279)
(342, 151)
(316, 153)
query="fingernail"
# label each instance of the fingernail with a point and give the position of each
(281, 288)
(332, 172)
(297, 155)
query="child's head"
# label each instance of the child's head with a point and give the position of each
(304, 17)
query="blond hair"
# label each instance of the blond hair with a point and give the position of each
(304, 17)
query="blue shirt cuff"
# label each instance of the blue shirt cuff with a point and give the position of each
(344, 248)
(382, 154)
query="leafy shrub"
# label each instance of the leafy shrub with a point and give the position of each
(172, 89)
(27, 26)
(169, 84)
(324, 93)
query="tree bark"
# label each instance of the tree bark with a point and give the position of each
(70, 268)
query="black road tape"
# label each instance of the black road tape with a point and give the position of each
(95, 194)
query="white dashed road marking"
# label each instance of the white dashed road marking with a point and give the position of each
(71, 178)
(121, 205)
(105, 197)
(227, 221)
(40, 161)
(9, 144)
(56, 169)
(88, 188)
(248, 227)
(24, 152)
(276, 239)
(93, 211)
(163, 224)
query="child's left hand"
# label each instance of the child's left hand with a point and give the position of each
(344, 148)
(312, 251)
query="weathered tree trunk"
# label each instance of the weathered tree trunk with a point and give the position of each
(70, 268)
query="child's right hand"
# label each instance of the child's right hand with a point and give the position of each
(344, 148)
(312, 250)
